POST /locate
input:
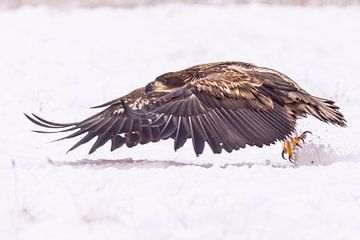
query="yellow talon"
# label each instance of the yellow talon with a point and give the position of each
(291, 145)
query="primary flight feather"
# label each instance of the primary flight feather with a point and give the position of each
(227, 105)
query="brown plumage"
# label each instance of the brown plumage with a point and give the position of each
(228, 105)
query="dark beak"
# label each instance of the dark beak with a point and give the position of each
(149, 88)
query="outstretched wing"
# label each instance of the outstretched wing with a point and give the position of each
(112, 124)
(228, 110)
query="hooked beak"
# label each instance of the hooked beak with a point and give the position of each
(149, 88)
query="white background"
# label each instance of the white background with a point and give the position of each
(58, 63)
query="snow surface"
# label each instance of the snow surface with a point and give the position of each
(58, 63)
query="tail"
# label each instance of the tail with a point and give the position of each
(324, 110)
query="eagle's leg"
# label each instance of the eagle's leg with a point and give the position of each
(291, 146)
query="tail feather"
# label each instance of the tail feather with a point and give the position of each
(325, 110)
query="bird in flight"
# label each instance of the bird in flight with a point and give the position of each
(227, 105)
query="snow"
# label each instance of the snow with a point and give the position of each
(58, 63)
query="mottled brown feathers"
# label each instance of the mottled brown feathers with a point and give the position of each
(227, 105)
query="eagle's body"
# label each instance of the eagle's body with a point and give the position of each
(228, 105)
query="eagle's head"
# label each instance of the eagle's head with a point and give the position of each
(167, 82)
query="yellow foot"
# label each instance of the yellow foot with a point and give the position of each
(291, 146)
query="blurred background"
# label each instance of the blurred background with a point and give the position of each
(132, 3)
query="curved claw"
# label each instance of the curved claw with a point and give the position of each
(303, 136)
(289, 158)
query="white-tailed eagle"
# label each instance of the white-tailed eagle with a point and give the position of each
(227, 105)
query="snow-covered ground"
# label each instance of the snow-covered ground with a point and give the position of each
(58, 63)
